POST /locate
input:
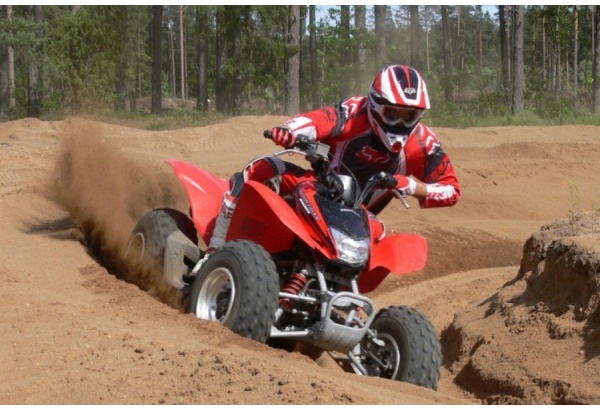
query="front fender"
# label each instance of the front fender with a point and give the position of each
(205, 193)
(262, 216)
(399, 254)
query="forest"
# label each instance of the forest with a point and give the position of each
(509, 62)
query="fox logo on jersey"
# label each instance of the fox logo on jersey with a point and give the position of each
(371, 155)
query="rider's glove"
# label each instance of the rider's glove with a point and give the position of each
(406, 185)
(284, 137)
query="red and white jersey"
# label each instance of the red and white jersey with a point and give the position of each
(355, 148)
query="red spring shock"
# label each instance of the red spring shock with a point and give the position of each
(294, 285)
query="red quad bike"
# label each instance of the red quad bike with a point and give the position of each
(294, 269)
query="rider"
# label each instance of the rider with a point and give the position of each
(368, 134)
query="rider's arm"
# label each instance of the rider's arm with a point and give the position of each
(329, 121)
(314, 124)
(445, 191)
(420, 189)
(437, 186)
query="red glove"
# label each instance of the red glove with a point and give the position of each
(283, 136)
(405, 184)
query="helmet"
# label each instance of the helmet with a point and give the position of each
(397, 100)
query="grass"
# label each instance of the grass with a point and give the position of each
(171, 121)
(476, 113)
(167, 121)
(575, 216)
(464, 119)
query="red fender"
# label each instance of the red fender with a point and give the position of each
(205, 193)
(399, 254)
(261, 215)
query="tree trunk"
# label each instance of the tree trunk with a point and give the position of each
(459, 51)
(12, 101)
(534, 26)
(596, 107)
(157, 12)
(427, 28)
(221, 60)
(292, 106)
(34, 92)
(480, 29)
(172, 61)
(314, 64)
(380, 52)
(593, 33)
(360, 21)
(556, 69)
(4, 93)
(121, 85)
(518, 62)
(566, 60)
(302, 65)
(447, 54)
(575, 49)
(203, 33)
(346, 65)
(504, 48)
(182, 52)
(414, 38)
(545, 55)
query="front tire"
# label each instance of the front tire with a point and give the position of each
(237, 286)
(411, 350)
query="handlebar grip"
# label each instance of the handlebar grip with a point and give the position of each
(389, 181)
(301, 140)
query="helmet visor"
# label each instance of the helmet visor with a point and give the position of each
(393, 115)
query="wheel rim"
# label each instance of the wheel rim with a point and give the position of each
(136, 248)
(216, 296)
(383, 361)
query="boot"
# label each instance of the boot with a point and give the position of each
(222, 223)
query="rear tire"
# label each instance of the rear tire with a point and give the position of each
(237, 286)
(412, 351)
(145, 252)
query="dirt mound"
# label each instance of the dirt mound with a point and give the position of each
(536, 340)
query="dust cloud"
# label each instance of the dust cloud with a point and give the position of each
(106, 193)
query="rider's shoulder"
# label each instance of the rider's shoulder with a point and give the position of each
(428, 138)
(353, 105)
(424, 130)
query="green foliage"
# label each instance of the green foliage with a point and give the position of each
(21, 33)
(136, 49)
(25, 37)
(84, 49)
(81, 57)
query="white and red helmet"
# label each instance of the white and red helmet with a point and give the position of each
(397, 100)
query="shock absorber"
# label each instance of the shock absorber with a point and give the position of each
(294, 285)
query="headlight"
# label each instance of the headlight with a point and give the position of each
(352, 251)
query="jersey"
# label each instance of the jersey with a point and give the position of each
(357, 150)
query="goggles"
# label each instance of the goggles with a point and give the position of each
(394, 115)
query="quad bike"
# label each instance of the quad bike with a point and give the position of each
(295, 268)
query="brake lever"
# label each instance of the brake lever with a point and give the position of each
(401, 195)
